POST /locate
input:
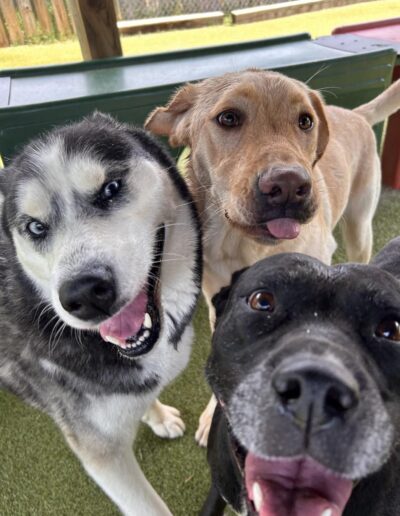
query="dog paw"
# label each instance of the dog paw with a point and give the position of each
(165, 421)
(205, 420)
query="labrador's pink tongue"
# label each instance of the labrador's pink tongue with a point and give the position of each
(295, 487)
(284, 228)
(127, 322)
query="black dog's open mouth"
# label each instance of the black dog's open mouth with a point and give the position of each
(295, 487)
(291, 486)
(136, 327)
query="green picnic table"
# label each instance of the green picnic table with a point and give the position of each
(33, 100)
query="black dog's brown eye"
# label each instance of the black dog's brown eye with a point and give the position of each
(229, 118)
(305, 122)
(263, 301)
(389, 329)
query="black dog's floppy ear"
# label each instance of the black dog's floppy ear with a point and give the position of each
(389, 258)
(220, 299)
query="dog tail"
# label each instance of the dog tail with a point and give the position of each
(382, 106)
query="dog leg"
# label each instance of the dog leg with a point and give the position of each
(113, 466)
(357, 219)
(205, 422)
(214, 504)
(165, 421)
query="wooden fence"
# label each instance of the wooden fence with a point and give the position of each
(21, 21)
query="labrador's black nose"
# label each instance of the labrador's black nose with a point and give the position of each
(314, 393)
(284, 185)
(88, 296)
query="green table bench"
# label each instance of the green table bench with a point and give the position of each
(33, 100)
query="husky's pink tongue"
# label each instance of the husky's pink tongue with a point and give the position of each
(295, 487)
(127, 322)
(284, 228)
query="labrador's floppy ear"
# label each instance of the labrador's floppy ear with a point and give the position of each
(220, 299)
(323, 127)
(388, 258)
(173, 120)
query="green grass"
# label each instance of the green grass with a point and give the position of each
(39, 476)
(319, 23)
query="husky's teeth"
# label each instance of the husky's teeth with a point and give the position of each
(257, 496)
(147, 323)
(327, 512)
(146, 334)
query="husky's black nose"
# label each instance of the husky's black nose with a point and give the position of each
(314, 393)
(88, 296)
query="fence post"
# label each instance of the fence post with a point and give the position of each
(96, 28)
(4, 41)
(43, 16)
(10, 17)
(28, 18)
(61, 17)
(117, 8)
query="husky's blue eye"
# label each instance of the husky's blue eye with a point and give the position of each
(110, 189)
(262, 301)
(36, 229)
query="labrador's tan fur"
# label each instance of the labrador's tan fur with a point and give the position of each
(338, 153)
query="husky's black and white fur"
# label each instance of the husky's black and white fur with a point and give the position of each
(100, 266)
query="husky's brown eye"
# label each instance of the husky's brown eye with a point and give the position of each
(262, 301)
(229, 118)
(389, 329)
(305, 122)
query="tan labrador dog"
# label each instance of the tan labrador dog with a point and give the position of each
(273, 169)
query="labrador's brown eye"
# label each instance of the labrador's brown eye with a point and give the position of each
(389, 329)
(305, 122)
(261, 300)
(229, 118)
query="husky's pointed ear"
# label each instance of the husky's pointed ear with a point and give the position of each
(173, 120)
(389, 258)
(323, 128)
(102, 118)
(220, 299)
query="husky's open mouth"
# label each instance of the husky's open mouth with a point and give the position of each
(136, 327)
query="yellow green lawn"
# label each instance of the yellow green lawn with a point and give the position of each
(317, 24)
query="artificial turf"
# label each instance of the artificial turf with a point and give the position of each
(40, 476)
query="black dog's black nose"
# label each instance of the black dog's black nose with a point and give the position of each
(314, 393)
(88, 296)
(282, 185)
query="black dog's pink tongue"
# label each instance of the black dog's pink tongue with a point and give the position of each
(284, 228)
(127, 322)
(295, 487)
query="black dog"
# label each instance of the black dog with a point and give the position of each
(306, 369)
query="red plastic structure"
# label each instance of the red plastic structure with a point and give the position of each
(387, 31)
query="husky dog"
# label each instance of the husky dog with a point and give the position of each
(100, 268)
